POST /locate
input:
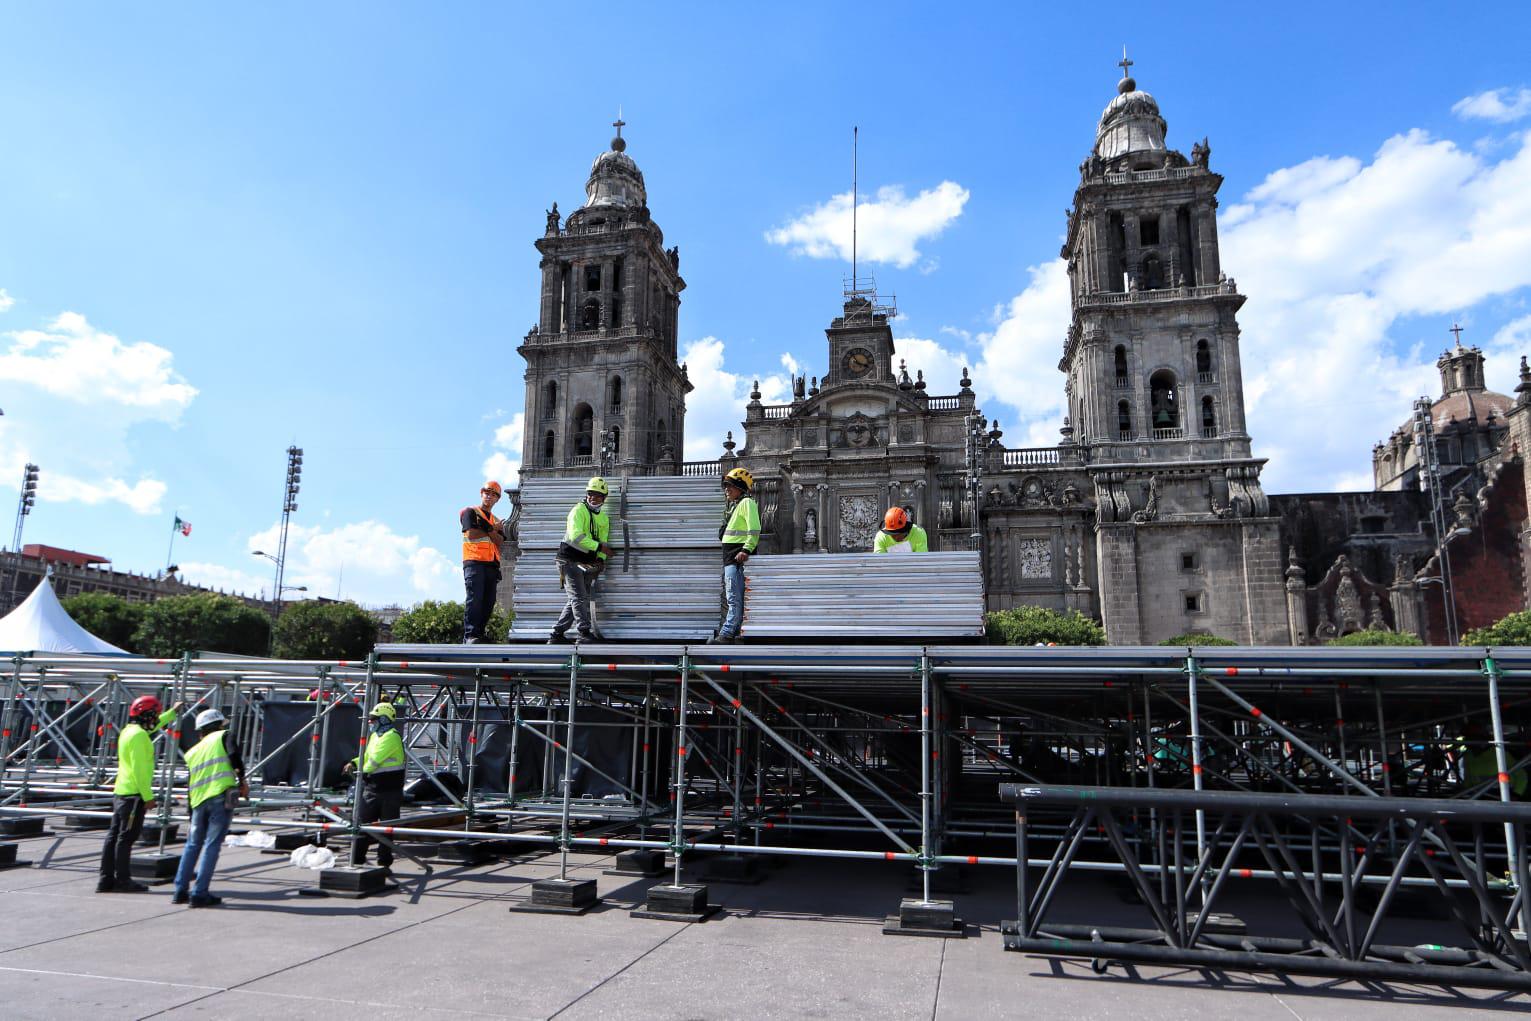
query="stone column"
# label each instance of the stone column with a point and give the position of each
(1296, 600)
(1206, 239)
(823, 516)
(797, 517)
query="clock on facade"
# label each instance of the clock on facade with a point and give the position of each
(858, 362)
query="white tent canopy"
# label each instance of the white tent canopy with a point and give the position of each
(41, 624)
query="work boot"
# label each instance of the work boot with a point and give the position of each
(181, 897)
(585, 636)
(722, 639)
(130, 886)
(106, 886)
(208, 901)
(558, 638)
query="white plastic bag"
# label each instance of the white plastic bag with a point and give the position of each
(255, 838)
(310, 857)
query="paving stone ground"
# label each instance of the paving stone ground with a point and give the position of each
(804, 943)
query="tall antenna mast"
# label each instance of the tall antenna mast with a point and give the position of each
(855, 195)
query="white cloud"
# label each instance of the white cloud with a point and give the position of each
(74, 394)
(1339, 258)
(790, 364)
(366, 561)
(716, 405)
(1018, 367)
(942, 366)
(1500, 105)
(228, 579)
(504, 463)
(890, 227)
(6, 301)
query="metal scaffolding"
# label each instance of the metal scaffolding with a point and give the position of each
(863, 752)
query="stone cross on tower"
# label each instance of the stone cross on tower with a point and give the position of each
(1457, 331)
(1124, 63)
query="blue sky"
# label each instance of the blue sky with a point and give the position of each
(224, 230)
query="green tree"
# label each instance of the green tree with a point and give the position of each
(110, 618)
(1028, 625)
(1512, 630)
(439, 623)
(1196, 638)
(203, 621)
(315, 630)
(1377, 638)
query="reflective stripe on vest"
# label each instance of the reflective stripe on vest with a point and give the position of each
(210, 771)
(480, 549)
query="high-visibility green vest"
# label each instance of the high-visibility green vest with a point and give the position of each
(742, 525)
(135, 759)
(211, 772)
(586, 529)
(384, 754)
(915, 542)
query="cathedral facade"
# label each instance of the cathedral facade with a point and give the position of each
(1148, 513)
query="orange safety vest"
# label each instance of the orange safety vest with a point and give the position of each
(480, 549)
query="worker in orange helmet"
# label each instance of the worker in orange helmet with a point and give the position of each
(900, 534)
(482, 536)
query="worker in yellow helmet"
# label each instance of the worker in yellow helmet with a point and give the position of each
(581, 557)
(382, 780)
(740, 535)
(899, 534)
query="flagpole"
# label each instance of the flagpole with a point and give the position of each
(175, 527)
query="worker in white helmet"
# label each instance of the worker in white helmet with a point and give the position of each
(215, 783)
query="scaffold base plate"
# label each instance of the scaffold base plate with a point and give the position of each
(935, 918)
(85, 822)
(684, 903)
(154, 869)
(738, 869)
(24, 826)
(559, 897)
(1219, 924)
(8, 858)
(354, 881)
(288, 841)
(150, 834)
(640, 863)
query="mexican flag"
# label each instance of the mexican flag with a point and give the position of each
(184, 527)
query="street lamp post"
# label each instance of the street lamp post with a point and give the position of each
(281, 588)
(23, 510)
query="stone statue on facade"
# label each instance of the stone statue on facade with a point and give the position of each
(553, 219)
(1201, 153)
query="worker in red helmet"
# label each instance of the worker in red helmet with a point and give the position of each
(133, 794)
(900, 534)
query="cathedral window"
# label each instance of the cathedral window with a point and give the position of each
(1204, 362)
(550, 399)
(616, 441)
(593, 278)
(1208, 417)
(614, 404)
(616, 311)
(590, 315)
(1123, 420)
(547, 448)
(1190, 561)
(616, 275)
(1164, 400)
(1122, 381)
(661, 439)
(1153, 273)
(1194, 602)
(1148, 230)
(584, 431)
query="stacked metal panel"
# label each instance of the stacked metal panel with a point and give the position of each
(672, 587)
(899, 596)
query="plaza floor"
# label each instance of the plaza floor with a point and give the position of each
(804, 943)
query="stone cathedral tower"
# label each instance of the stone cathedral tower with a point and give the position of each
(1184, 536)
(601, 361)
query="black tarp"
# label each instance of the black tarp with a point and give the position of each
(281, 720)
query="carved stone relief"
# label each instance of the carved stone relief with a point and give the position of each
(858, 523)
(1034, 557)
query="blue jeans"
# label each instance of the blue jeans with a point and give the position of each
(733, 591)
(209, 823)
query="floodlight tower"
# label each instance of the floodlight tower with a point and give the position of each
(289, 505)
(23, 508)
